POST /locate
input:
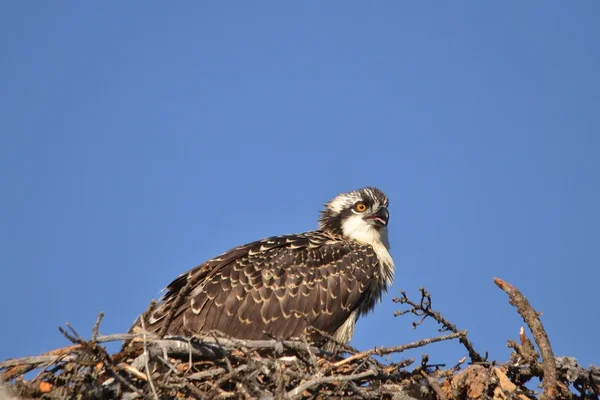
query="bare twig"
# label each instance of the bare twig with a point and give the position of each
(97, 326)
(332, 340)
(139, 374)
(206, 374)
(423, 309)
(147, 362)
(434, 385)
(531, 318)
(95, 350)
(398, 349)
(41, 359)
(297, 391)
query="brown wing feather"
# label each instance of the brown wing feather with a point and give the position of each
(278, 285)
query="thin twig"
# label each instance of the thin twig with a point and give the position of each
(331, 339)
(146, 361)
(136, 372)
(398, 349)
(297, 391)
(95, 350)
(206, 374)
(434, 385)
(41, 359)
(424, 310)
(97, 326)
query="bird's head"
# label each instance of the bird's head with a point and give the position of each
(361, 215)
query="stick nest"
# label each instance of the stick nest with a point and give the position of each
(215, 366)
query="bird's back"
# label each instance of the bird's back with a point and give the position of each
(273, 287)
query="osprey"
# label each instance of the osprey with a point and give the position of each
(279, 286)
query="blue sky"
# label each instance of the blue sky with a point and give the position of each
(140, 139)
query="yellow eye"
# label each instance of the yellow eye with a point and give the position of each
(360, 207)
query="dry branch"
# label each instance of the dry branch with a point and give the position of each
(531, 318)
(434, 385)
(423, 309)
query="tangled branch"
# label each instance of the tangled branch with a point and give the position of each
(423, 310)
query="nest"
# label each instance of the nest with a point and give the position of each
(216, 366)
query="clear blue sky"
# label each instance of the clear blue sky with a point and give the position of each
(138, 139)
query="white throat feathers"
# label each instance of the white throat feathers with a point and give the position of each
(357, 229)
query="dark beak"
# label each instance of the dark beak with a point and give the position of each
(381, 217)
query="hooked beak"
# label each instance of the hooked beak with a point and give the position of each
(380, 218)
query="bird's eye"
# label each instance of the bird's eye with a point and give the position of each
(360, 207)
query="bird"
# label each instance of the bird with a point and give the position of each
(280, 286)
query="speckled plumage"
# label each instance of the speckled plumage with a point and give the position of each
(280, 285)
